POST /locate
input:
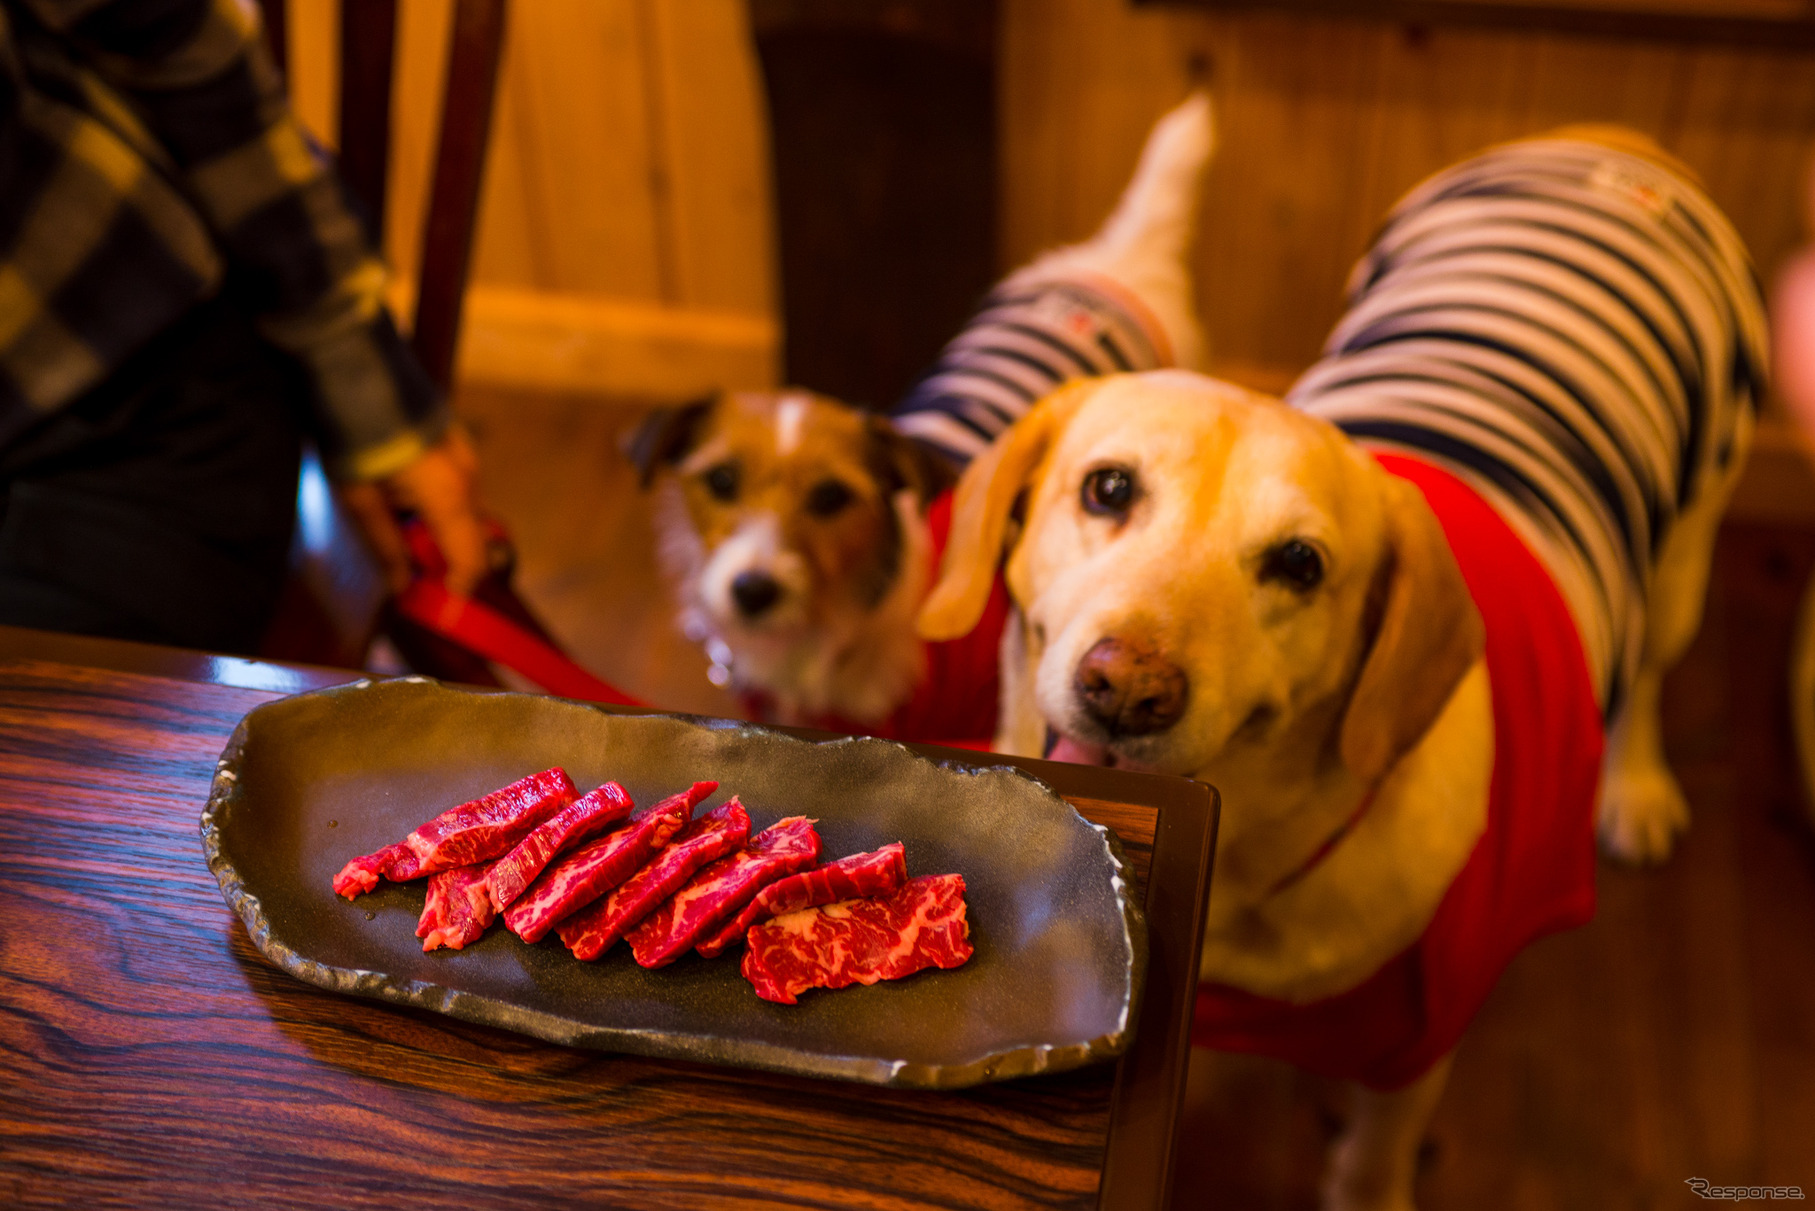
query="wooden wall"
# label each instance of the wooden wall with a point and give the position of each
(1325, 122)
(625, 238)
(627, 235)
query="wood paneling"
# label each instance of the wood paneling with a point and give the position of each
(593, 344)
(1765, 22)
(1324, 122)
(630, 166)
(626, 194)
(712, 130)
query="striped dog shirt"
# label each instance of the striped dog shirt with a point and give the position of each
(1026, 339)
(1557, 343)
(1577, 334)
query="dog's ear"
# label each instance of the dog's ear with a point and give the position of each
(988, 493)
(898, 462)
(664, 436)
(1429, 635)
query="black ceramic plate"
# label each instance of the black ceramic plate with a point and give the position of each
(308, 782)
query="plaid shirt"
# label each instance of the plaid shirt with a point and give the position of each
(147, 151)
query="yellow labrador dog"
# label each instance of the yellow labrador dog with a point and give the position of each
(1387, 617)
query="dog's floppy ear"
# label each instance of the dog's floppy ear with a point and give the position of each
(987, 492)
(1429, 636)
(664, 436)
(898, 462)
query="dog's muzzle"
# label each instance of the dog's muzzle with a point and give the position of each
(1128, 689)
(755, 593)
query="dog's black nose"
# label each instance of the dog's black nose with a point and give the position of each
(1129, 689)
(754, 592)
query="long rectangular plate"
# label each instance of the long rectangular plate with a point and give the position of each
(310, 781)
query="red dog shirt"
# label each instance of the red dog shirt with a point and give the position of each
(1530, 873)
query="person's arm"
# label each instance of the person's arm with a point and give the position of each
(203, 82)
(441, 487)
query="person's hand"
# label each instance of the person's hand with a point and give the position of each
(442, 488)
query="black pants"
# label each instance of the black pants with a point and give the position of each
(159, 505)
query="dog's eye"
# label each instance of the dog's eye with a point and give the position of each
(721, 481)
(828, 497)
(1295, 563)
(1108, 490)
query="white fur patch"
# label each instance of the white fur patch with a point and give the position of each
(790, 423)
(757, 546)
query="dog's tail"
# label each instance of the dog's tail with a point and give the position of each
(1142, 245)
(1157, 214)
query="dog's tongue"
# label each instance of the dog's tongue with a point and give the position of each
(1070, 750)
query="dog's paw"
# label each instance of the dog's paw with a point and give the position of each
(1641, 815)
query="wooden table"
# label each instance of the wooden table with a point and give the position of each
(151, 1055)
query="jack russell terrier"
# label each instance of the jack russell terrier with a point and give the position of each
(1388, 617)
(802, 535)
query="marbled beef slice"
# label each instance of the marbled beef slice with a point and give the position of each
(858, 877)
(860, 941)
(458, 908)
(717, 890)
(474, 832)
(590, 932)
(590, 871)
(593, 812)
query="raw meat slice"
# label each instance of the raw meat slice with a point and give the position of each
(362, 873)
(858, 877)
(595, 811)
(590, 932)
(458, 908)
(718, 889)
(600, 865)
(461, 836)
(860, 941)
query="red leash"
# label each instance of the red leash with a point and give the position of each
(494, 623)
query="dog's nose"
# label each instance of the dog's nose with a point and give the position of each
(754, 592)
(1130, 690)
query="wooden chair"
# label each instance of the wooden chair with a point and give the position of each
(333, 605)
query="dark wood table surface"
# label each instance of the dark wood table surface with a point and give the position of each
(150, 1056)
